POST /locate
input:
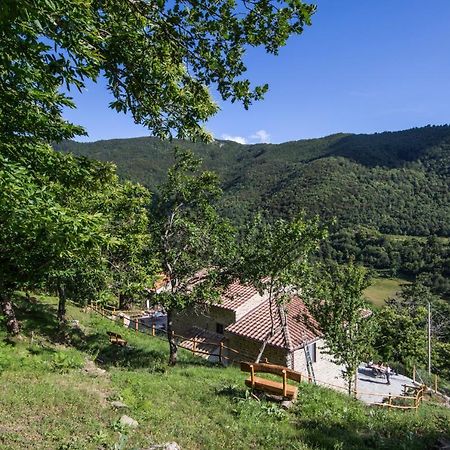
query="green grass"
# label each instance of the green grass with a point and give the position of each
(383, 288)
(48, 402)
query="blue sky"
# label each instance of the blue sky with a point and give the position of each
(363, 66)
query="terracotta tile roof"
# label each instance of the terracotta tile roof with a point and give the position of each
(236, 295)
(301, 326)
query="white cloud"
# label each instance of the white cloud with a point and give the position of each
(262, 136)
(259, 137)
(238, 139)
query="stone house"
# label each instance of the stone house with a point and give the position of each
(242, 320)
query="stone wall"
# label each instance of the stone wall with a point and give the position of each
(207, 318)
(249, 350)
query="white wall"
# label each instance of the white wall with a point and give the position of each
(325, 370)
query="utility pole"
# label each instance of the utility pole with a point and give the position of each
(429, 338)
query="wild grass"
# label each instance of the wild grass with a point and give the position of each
(48, 402)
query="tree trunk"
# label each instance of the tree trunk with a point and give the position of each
(263, 347)
(124, 302)
(12, 324)
(349, 375)
(61, 304)
(173, 348)
(273, 331)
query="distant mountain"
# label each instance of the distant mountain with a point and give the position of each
(395, 182)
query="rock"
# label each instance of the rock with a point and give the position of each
(75, 324)
(166, 446)
(118, 405)
(128, 421)
(91, 369)
(286, 404)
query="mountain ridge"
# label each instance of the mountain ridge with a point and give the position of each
(396, 182)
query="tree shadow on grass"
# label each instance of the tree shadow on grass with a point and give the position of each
(40, 318)
(351, 436)
(36, 317)
(129, 357)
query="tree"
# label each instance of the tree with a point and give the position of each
(123, 266)
(158, 59)
(193, 243)
(335, 300)
(404, 324)
(274, 257)
(401, 337)
(130, 260)
(37, 226)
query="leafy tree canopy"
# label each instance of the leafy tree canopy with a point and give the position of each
(275, 258)
(193, 243)
(335, 300)
(158, 58)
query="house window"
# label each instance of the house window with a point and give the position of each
(313, 352)
(219, 328)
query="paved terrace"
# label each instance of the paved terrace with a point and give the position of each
(371, 389)
(370, 384)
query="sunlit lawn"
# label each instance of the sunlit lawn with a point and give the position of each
(383, 288)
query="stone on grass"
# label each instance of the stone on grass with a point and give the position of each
(166, 446)
(91, 369)
(128, 421)
(286, 404)
(118, 405)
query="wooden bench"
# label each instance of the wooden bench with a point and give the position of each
(272, 387)
(116, 339)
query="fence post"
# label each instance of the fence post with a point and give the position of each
(414, 373)
(136, 324)
(220, 352)
(435, 383)
(390, 399)
(153, 329)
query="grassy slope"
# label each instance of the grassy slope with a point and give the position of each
(47, 402)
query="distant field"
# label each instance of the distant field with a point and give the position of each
(402, 237)
(382, 289)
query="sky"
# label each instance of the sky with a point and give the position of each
(364, 66)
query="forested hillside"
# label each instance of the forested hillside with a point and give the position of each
(394, 182)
